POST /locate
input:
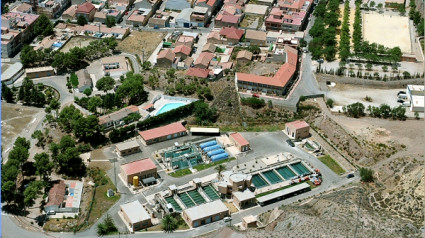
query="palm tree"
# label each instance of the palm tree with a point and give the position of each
(220, 168)
(169, 223)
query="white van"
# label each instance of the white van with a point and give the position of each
(402, 96)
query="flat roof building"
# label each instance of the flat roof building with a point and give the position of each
(205, 213)
(115, 66)
(127, 148)
(243, 199)
(297, 129)
(135, 216)
(116, 119)
(40, 72)
(163, 133)
(143, 168)
(239, 141)
(256, 10)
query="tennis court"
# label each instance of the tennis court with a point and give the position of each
(286, 172)
(196, 197)
(186, 200)
(211, 192)
(272, 177)
(258, 181)
(299, 168)
(173, 203)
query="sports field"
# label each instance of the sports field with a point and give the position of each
(387, 30)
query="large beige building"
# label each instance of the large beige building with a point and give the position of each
(135, 216)
(205, 213)
(144, 168)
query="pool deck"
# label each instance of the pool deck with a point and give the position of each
(160, 101)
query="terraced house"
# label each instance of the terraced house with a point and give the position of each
(289, 15)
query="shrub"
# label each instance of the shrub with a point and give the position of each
(253, 102)
(366, 175)
(330, 102)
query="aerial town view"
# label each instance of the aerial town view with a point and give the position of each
(212, 118)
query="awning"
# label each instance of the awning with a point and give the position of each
(149, 180)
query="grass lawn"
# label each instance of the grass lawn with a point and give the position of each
(332, 164)
(180, 173)
(200, 167)
(74, 80)
(101, 202)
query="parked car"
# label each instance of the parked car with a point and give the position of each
(400, 101)
(401, 92)
(406, 104)
(227, 219)
(350, 176)
(193, 27)
(402, 96)
(289, 141)
(255, 95)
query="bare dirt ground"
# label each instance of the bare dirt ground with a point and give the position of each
(265, 69)
(76, 41)
(138, 41)
(15, 119)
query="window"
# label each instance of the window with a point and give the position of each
(195, 224)
(217, 217)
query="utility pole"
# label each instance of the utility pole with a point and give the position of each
(115, 174)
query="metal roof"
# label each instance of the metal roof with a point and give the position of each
(283, 192)
(135, 211)
(127, 145)
(206, 210)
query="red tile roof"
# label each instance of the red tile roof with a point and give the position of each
(182, 49)
(162, 131)
(148, 106)
(231, 33)
(57, 194)
(86, 7)
(282, 76)
(239, 139)
(138, 166)
(167, 54)
(230, 19)
(197, 72)
(204, 58)
(297, 124)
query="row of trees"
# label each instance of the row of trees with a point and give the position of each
(324, 30)
(417, 19)
(344, 43)
(253, 102)
(73, 60)
(357, 110)
(357, 28)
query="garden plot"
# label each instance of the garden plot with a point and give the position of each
(390, 31)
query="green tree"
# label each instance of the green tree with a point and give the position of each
(255, 49)
(40, 138)
(372, 4)
(19, 154)
(43, 26)
(355, 110)
(147, 65)
(6, 93)
(204, 114)
(87, 92)
(330, 102)
(106, 227)
(220, 168)
(94, 103)
(32, 192)
(398, 113)
(169, 223)
(131, 91)
(70, 163)
(385, 110)
(110, 21)
(43, 165)
(74, 80)
(21, 141)
(81, 20)
(366, 175)
(303, 43)
(105, 83)
(8, 191)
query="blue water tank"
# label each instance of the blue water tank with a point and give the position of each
(208, 143)
(211, 148)
(215, 152)
(219, 157)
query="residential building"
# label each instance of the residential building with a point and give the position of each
(203, 60)
(205, 213)
(121, 5)
(128, 147)
(177, 5)
(198, 73)
(273, 85)
(87, 10)
(199, 16)
(297, 129)
(102, 15)
(84, 80)
(231, 35)
(115, 66)
(165, 58)
(256, 10)
(182, 51)
(143, 168)
(40, 72)
(284, 38)
(185, 40)
(49, 8)
(183, 19)
(16, 30)
(266, 2)
(208, 47)
(116, 119)
(23, 8)
(70, 13)
(163, 133)
(139, 17)
(289, 15)
(243, 199)
(255, 37)
(230, 15)
(135, 216)
(64, 197)
(160, 20)
(239, 141)
(117, 32)
(210, 4)
(243, 57)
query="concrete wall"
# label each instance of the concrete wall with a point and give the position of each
(322, 78)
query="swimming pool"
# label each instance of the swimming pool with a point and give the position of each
(169, 106)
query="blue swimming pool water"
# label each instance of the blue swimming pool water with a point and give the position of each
(58, 44)
(169, 106)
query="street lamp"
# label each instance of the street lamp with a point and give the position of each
(115, 174)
